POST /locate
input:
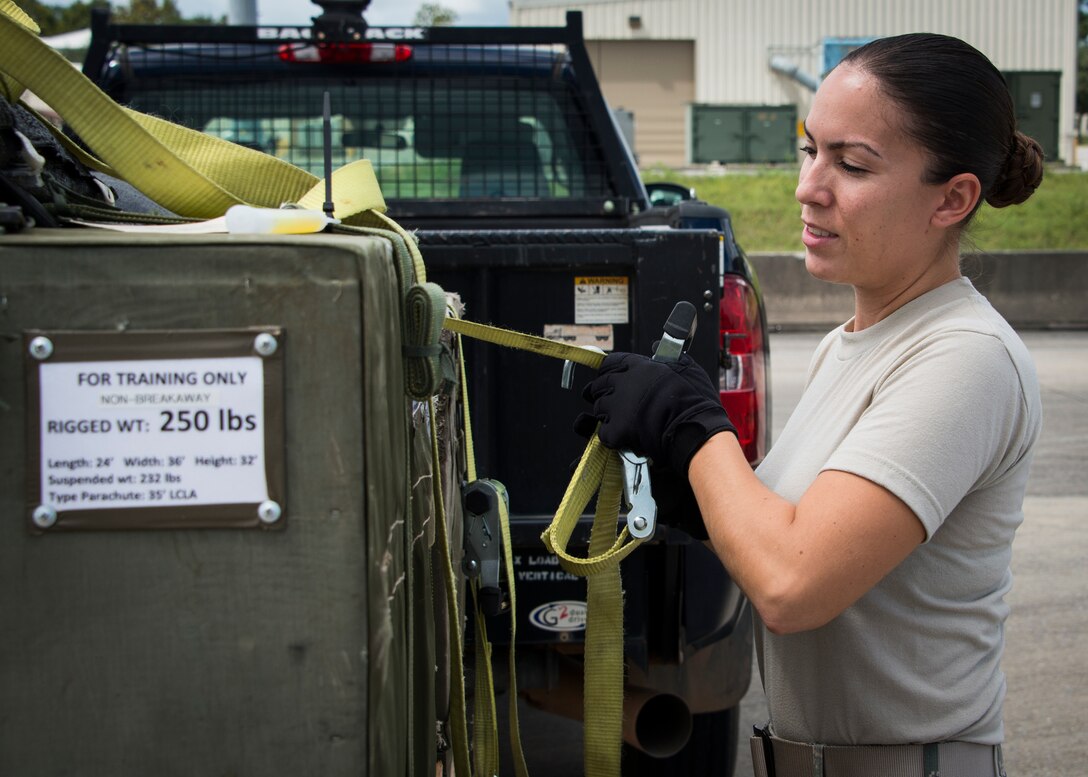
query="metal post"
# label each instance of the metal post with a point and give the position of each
(242, 12)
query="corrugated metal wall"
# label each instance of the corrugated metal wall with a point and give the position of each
(656, 81)
(734, 39)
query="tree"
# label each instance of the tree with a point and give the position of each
(148, 12)
(55, 19)
(436, 15)
(151, 12)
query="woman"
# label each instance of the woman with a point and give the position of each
(874, 541)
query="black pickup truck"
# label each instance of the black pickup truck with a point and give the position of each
(498, 149)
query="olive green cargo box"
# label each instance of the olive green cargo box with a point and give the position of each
(291, 633)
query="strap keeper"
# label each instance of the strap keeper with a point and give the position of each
(931, 760)
(764, 735)
(817, 761)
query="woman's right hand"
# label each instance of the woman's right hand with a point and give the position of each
(662, 410)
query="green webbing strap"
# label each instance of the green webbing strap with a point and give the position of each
(458, 723)
(424, 310)
(10, 87)
(539, 345)
(602, 706)
(603, 670)
(485, 730)
(376, 215)
(485, 724)
(421, 314)
(485, 733)
(486, 740)
(453, 323)
(520, 769)
(598, 467)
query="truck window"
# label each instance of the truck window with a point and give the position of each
(448, 135)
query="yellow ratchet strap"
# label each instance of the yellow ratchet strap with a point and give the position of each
(188, 172)
(485, 730)
(458, 722)
(599, 469)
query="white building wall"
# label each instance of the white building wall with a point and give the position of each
(734, 39)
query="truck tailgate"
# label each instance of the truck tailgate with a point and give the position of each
(612, 287)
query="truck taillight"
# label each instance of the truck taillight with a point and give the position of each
(742, 376)
(345, 53)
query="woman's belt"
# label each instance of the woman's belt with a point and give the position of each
(774, 757)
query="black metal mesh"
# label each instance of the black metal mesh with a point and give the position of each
(448, 122)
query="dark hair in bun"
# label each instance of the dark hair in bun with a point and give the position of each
(1021, 175)
(962, 111)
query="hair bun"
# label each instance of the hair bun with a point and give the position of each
(1022, 174)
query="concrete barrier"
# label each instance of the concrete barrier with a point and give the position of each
(1032, 289)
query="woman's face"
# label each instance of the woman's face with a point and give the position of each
(865, 208)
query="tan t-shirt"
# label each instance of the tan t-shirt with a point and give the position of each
(939, 404)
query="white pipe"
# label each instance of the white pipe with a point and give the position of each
(790, 68)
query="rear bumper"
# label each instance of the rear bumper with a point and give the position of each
(685, 620)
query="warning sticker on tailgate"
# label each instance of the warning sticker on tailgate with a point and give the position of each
(600, 299)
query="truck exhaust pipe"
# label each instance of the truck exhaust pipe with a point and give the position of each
(657, 723)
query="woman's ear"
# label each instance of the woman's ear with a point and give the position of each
(961, 192)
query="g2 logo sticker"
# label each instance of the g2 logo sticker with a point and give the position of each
(559, 616)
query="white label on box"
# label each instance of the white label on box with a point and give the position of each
(600, 299)
(152, 433)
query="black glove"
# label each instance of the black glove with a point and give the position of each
(676, 503)
(662, 410)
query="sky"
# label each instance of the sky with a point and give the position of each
(381, 12)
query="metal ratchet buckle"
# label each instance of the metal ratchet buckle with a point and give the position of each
(483, 540)
(641, 507)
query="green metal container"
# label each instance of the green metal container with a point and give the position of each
(183, 637)
(743, 133)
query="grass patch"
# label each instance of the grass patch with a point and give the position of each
(1056, 217)
(766, 217)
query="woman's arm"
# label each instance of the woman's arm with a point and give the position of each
(800, 565)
